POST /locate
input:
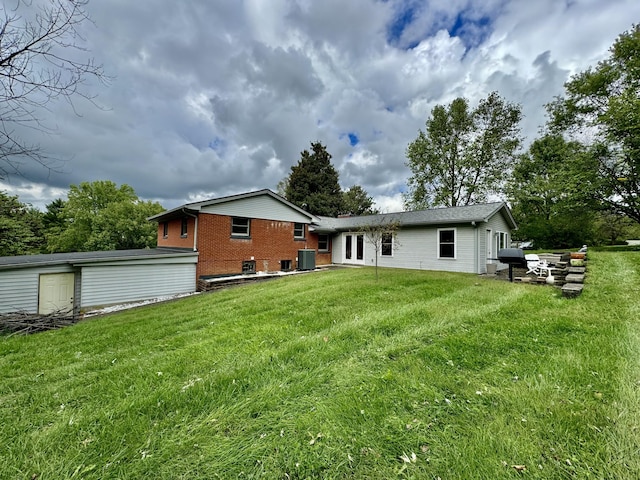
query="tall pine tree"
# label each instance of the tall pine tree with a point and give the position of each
(313, 183)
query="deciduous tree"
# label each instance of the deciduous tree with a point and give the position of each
(20, 227)
(550, 194)
(601, 108)
(464, 155)
(102, 216)
(382, 233)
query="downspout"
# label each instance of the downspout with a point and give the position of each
(476, 252)
(195, 229)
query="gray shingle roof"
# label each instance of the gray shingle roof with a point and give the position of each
(434, 216)
(197, 206)
(76, 258)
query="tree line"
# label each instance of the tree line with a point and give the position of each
(579, 182)
(96, 216)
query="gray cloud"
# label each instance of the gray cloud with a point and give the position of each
(211, 98)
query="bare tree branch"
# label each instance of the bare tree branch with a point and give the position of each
(38, 44)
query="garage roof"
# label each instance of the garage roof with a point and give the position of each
(77, 258)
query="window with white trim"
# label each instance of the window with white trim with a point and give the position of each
(502, 240)
(240, 227)
(298, 231)
(183, 227)
(446, 243)
(386, 246)
(323, 242)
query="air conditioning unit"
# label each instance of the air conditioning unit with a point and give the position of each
(306, 259)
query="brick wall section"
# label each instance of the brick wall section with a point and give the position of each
(173, 238)
(270, 242)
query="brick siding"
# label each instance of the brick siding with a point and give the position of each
(174, 239)
(270, 241)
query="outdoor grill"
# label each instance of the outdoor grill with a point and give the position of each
(512, 257)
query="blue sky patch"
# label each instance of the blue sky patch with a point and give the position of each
(400, 22)
(218, 145)
(472, 27)
(472, 31)
(353, 138)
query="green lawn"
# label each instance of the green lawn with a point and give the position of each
(334, 375)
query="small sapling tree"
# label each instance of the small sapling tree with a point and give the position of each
(382, 234)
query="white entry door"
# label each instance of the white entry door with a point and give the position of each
(56, 293)
(354, 248)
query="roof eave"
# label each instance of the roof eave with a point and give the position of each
(173, 213)
(166, 253)
(508, 215)
(196, 207)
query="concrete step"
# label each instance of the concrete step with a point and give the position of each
(575, 278)
(579, 270)
(572, 290)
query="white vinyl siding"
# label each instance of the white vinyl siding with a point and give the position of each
(101, 283)
(496, 224)
(108, 284)
(19, 288)
(447, 243)
(417, 248)
(262, 206)
(337, 248)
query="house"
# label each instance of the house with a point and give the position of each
(457, 239)
(261, 231)
(245, 233)
(73, 281)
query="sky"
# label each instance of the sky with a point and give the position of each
(208, 98)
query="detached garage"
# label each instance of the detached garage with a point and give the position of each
(74, 281)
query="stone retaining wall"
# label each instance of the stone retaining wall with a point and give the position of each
(568, 271)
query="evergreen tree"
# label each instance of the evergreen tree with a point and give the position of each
(53, 222)
(356, 201)
(313, 183)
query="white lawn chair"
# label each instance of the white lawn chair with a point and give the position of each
(537, 266)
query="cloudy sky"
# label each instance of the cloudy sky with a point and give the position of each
(216, 97)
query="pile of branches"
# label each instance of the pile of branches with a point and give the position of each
(23, 323)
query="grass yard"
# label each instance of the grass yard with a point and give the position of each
(333, 375)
